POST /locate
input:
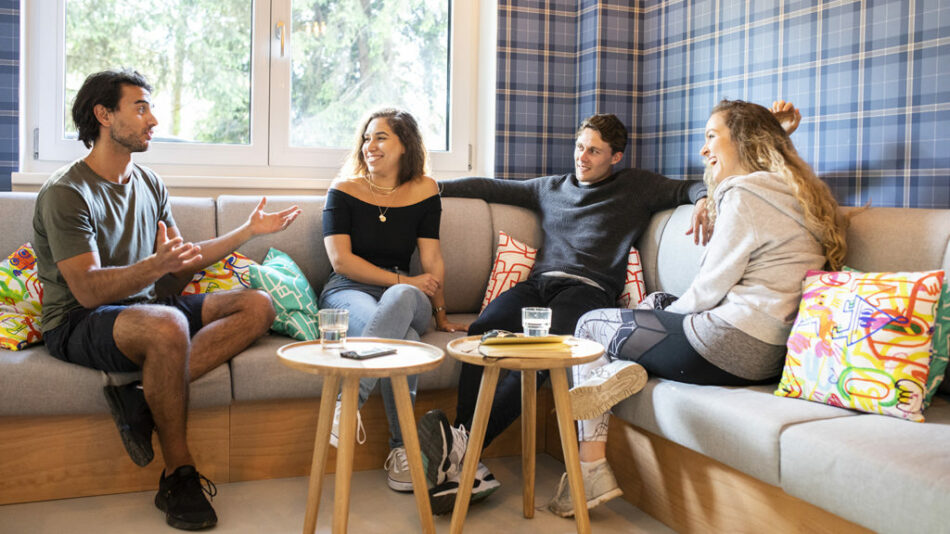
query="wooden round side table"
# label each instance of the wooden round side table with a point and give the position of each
(410, 358)
(466, 350)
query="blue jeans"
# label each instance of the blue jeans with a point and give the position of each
(401, 311)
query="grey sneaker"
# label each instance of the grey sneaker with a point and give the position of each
(605, 387)
(335, 428)
(599, 487)
(443, 447)
(398, 468)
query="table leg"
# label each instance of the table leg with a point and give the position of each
(321, 443)
(486, 394)
(407, 422)
(529, 412)
(565, 423)
(344, 455)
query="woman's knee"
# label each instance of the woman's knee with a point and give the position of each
(404, 294)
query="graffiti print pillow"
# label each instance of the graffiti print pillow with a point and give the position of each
(21, 296)
(229, 273)
(862, 341)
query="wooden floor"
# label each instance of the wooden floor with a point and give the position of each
(277, 506)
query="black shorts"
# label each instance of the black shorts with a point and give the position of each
(86, 337)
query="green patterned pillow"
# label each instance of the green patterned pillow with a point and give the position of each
(294, 300)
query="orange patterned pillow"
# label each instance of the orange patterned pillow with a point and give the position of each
(514, 260)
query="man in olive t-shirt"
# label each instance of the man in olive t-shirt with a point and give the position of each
(104, 234)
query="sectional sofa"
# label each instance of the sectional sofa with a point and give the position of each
(697, 458)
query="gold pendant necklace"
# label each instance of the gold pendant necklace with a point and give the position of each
(382, 211)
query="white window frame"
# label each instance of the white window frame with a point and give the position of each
(269, 153)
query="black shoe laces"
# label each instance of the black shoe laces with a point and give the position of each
(207, 486)
(203, 483)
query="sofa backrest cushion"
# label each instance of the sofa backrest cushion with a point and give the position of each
(898, 239)
(17, 210)
(467, 246)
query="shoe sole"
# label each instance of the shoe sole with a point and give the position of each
(140, 452)
(180, 524)
(402, 487)
(442, 498)
(588, 402)
(435, 440)
(596, 501)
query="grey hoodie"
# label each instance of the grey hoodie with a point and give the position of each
(752, 270)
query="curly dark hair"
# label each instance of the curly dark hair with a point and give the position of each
(101, 88)
(610, 128)
(412, 163)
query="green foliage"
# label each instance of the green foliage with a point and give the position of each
(195, 53)
(349, 57)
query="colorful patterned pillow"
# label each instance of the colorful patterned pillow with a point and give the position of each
(939, 349)
(229, 273)
(21, 297)
(862, 341)
(20, 286)
(514, 260)
(294, 299)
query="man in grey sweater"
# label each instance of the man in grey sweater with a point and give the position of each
(590, 218)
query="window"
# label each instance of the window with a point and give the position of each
(278, 85)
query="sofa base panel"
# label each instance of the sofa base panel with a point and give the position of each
(690, 492)
(57, 457)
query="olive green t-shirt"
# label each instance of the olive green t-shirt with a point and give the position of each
(78, 211)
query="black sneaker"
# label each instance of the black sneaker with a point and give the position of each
(134, 420)
(443, 447)
(442, 497)
(181, 496)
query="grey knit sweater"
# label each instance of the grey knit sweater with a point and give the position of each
(588, 229)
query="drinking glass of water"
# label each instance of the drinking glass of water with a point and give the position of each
(333, 324)
(536, 321)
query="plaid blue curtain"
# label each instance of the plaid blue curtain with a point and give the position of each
(9, 87)
(872, 80)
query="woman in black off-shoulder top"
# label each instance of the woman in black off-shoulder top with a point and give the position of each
(380, 209)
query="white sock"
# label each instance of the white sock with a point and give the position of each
(588, 467)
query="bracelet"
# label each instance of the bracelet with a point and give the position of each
(437, 309)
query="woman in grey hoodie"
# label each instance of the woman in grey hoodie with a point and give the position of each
(774, 221)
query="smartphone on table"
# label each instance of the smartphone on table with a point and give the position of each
(366, 354)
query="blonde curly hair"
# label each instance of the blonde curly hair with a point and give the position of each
(762, 145)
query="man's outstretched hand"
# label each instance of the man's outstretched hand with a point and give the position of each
(262, 222)
(173, 255)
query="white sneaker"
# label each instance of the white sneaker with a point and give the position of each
(600, 486)
(605, 387)
(335, 428)
(398, 468)
(443, 447)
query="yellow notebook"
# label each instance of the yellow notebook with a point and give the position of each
(521, 339)
(521, 349)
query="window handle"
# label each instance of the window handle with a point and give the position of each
(279, 33)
